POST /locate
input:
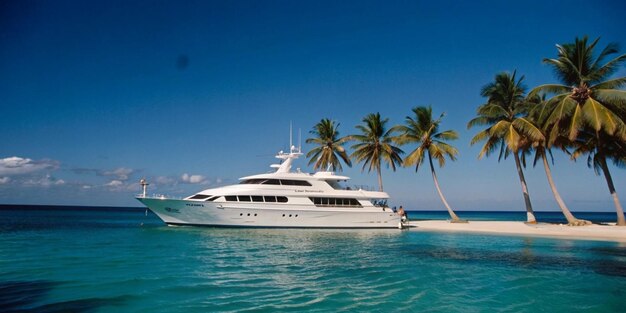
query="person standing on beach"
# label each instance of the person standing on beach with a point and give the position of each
(402, 213)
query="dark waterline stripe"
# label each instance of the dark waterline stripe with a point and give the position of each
(274, 227)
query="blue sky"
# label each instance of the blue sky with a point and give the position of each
(95, 95)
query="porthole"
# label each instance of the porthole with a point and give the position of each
(289, 215)
(240, 214)
(248, 214)
(283, 215)
(296, 215)
(254, 214)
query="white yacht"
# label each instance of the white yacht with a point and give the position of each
(279, 199)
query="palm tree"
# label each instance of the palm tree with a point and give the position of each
(612, 148)
(326, 155)
(509, 131)
(587, 101)
(424, 131)
(542, 151)
(375, 146)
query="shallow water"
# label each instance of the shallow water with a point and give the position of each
(112, 260)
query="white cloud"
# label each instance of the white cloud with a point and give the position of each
(114, 183)
(18, 166)
(168, 182)
(45, 181)
(120, 173)
(4, 180)
(192, 179)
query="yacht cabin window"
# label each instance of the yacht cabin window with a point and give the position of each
(246, 198)
(252, 181)
(199, 197)
(336, 202)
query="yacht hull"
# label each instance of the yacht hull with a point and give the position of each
(200, 213)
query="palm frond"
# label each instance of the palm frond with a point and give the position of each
(490, 145)
(416, 157)
(446, 149)
(482, 135)
(479, 121)
(500, 129)
(529, 129)
(608, 69)
(435, 152)
(446, 135)
(576, 123)
(548, 89)
(611, 86)
(611, 48)
(562, 110)
(512, 138)
(599, 117)
(613, 98)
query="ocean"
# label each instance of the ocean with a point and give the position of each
(83, 259)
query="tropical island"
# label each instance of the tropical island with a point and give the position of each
(582, 116)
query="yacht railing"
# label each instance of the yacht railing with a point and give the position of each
(157, 195)
(363, 187)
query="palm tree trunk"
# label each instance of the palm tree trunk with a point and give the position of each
(568, 215)
(380, 179)
(530, 215)
(454, 217)
(618, 207)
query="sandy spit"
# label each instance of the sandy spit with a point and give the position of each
(591, 232)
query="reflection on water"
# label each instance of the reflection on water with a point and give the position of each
(17, 295)
(27, 296)
(528, 258)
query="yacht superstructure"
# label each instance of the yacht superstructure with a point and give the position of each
(279, 199)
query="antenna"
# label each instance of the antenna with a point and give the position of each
(299, 139)
(290, 135)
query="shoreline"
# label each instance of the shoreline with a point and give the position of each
(515, 228)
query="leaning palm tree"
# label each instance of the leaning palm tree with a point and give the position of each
(611, 148)
(329, 146)
(509, 131)
(542, 151)
(374, 146)
(587, 100)
(424, 131)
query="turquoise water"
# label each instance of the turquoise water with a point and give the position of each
(119, 260)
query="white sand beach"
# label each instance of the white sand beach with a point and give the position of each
(591, 232)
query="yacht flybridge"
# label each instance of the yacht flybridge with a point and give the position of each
(279, 199)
